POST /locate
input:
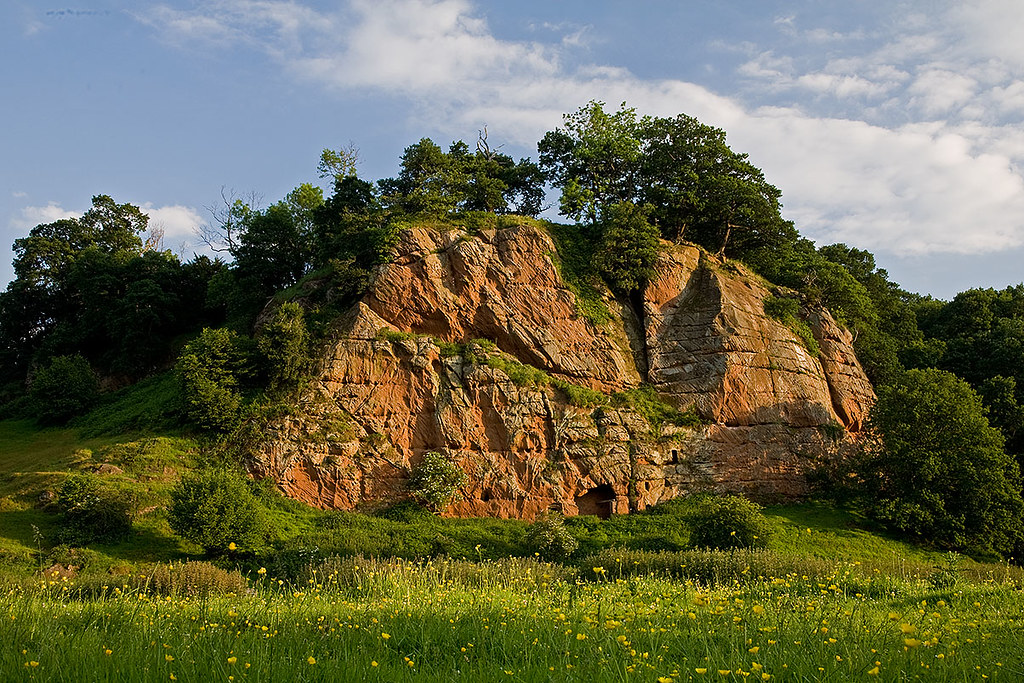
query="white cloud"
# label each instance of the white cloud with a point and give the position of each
(177, 222)
(927, 167)
(31, 216)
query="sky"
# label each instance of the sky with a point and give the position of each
(894, 127)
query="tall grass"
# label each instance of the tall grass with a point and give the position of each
(357, 619)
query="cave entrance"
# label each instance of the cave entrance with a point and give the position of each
(599, 501)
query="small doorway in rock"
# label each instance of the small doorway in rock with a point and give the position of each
(675, 455)
(599, 501)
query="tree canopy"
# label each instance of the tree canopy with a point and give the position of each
(698, 188)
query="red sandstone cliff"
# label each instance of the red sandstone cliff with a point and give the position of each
(702, 340)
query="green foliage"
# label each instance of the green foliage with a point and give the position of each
(208, 371)
(521, 375)
(787, 311)
(551, 540)
(575, 263)
(436, 183)
(65, 387)
(215, 508)
(284, 342)
(939, 473)
(698, 188)
(646, 401)
(91, 512)
(722, 522)
(436, 481)
(629, 247)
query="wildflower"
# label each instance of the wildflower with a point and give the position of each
(765, 676)
(701, 671)
(724, 672)
(232, 546)
(911, 642)
(664, 679)
(261, 571)
(757, 609)
(753, 650)
(311, 660)
(373, 663)
(581, 636)
(232, 660)
(907, 628)
(385, 636)
(108, 652)
(894, 616)
(169, 658)
(873, 672)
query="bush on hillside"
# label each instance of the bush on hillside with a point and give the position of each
(727, 522)
(217, 510)
(90, 512)
(939, 472)
(549, 538)
(436, 481)
(63, 388)
(208, 371)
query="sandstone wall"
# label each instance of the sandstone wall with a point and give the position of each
(701, 339)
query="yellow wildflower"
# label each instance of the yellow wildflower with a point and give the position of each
(311, 660)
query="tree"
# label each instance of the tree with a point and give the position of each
(209, 370)
(939, 472)
(63, 388)
(629, 247)
(217, 510)
(594, 159)
(700, 189)
(436, 183)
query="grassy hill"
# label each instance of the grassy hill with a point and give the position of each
(130, 444)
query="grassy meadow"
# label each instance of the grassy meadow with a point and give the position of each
(405, 595)
(374, 620)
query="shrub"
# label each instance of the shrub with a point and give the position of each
(208, 371)
(90, 512)
(65, 387)
(217, 510)
(727, 522)
(436, 481)
(284, 342)
(549, 538)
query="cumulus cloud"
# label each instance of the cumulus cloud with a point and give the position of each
(179, 224)
(31, 216)
(900, 146)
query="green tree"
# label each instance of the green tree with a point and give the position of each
(700, 189)
(594, 160)
(216, 509)
(284, 342)
(939, 473)
(210, 369)
(63, 388)
(629, 247)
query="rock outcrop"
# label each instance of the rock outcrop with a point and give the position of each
(403, 375)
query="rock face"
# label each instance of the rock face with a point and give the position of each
(403, 376)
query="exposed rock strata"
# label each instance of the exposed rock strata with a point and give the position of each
(702, 340)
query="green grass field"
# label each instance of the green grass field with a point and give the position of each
(514, 620)
(330, 596)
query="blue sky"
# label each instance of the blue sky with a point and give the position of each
(894, 127)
